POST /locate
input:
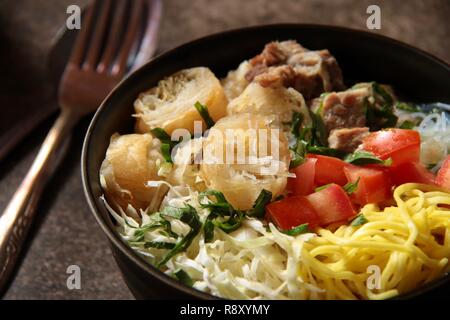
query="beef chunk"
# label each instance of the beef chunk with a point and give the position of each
(277, 53)
(282, 75)
(343, 109)
(334, 72)
(288, 63)
(347, 139)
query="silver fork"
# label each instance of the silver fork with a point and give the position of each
(109, 43)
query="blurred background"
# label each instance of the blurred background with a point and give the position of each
(65, 232)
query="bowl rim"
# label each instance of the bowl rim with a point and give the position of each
(115, 239)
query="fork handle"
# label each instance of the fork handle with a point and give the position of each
(18, 215)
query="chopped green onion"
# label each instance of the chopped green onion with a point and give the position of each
(183, 277)
(296, 160)
(351, 186)
(222, 214)
(409, 107)
(139, 233)
(219, 208)
(189, 216)
(166, 152)
(319, 137)
(159, 245)
(259, 206)
(220, 205)
(378, 89)
(322, 187)
(359, 220)
(407, 125)
(232, 223)
(325, 151)
(162, 135)
(203, 110)
(208, 227)
(383, 116)
(364, 157)
(298, 153)
(303, 228)
(166, 143)
(297, 119)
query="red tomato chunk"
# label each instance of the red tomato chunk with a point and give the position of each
(400, 145)
(374, 185)
(291, 212)
(329, 170)
(326, 206)
(411, 172)
(303, 183)
(331, 204)
(443, 177)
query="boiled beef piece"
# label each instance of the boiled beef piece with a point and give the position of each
(291, 65)
(347, 139)
(343, 109)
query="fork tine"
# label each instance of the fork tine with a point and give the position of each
(114, 37)
(82, 39)
(134, 26)
(96, 43)
(149, 41)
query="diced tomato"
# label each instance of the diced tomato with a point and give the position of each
(303, 183)
(374, 185)
(331, 204)
(443, 176)
(291, 212)
(329, 170)
(400, 145)
(410, 172)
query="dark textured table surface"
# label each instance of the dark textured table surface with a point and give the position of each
(65, 232)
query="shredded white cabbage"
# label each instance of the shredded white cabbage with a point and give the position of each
(249, 263)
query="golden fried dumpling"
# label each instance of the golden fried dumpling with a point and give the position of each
(170, 105)
(243, 155)
(276, 102)
(130, 162)
(235, 82)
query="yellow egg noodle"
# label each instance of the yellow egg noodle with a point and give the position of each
(398, 249)
(401, 240)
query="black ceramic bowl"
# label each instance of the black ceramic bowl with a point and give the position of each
(362, 56)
